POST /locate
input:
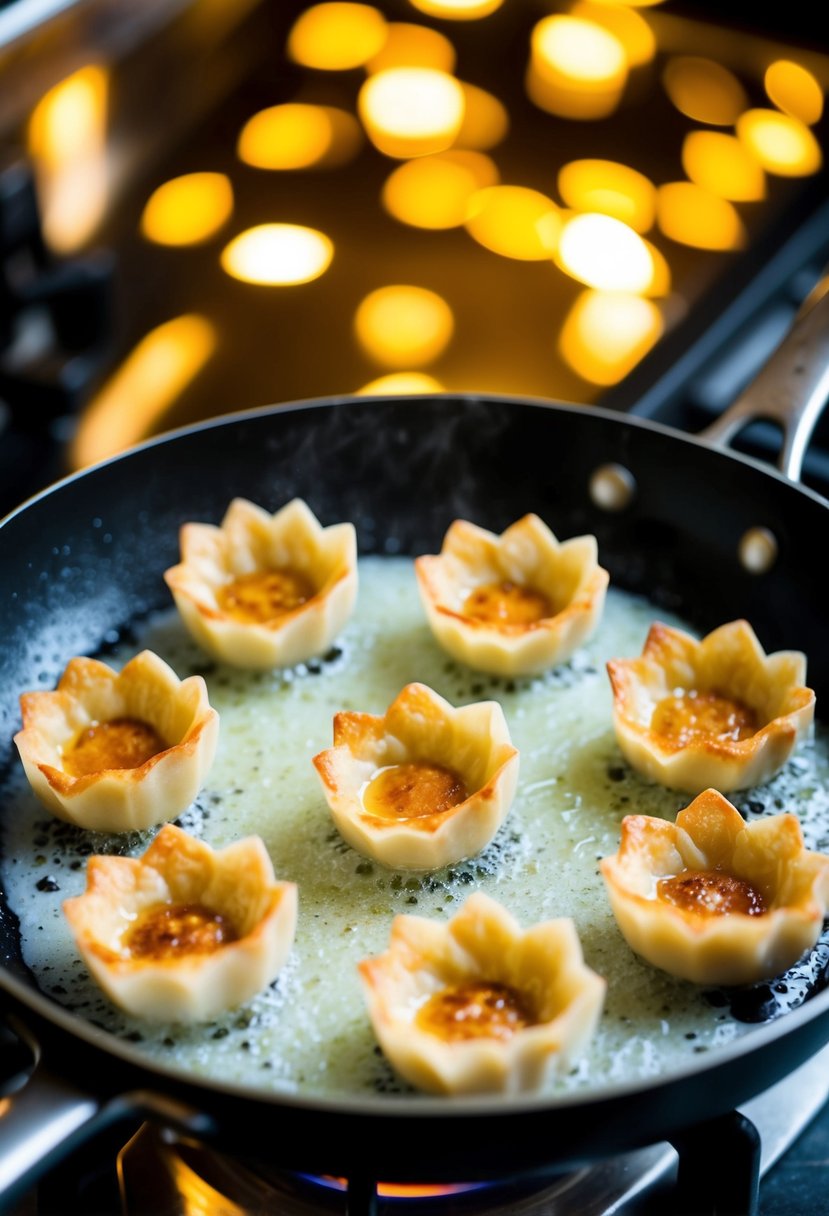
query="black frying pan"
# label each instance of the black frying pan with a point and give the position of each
(404, 468)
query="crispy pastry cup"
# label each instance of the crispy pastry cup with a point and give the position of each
(732, 948)
(250, 540)
(177, 869)
(420, 726)
(731, 662)
(483, 942)
(527, 554)
(126, 799)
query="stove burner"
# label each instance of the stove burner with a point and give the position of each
(391, 1190)
(718, 1168)
(163, 1173)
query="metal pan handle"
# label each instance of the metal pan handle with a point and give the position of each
(46, 1117)
(792, 388)
(39, 1125)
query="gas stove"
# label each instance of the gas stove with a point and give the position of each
(150, 1169)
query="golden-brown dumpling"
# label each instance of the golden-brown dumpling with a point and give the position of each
(478, 1005)
(184, 932)
(717, 712)
(118, 751)
(514, 604)
(424, 784)
(263, 590)
(715, 900)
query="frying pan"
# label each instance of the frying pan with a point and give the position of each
(671, 513)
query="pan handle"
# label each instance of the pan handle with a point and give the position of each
(48, 1117)
(791, 389)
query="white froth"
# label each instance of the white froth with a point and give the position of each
(310, 1032)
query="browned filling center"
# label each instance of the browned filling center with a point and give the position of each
(691, 717)
(121, 743)
(265, 595)
(477, 1010)
(507, 603)
(711, 892)
(413, 791)
(168, 930)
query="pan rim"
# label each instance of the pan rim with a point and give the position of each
(252, 413)
(416, 1104)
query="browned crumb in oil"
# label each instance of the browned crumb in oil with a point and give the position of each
(507, 603)
(120, 743)
(413, 791)
(692, 717)
(711, 893)
(265, 595)
(475, 1010)
(171, 930)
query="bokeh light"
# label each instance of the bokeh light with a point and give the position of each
(514, 221)
(411, 111)
(278, 255)
(485, 119)
(661, 280)
(401, 384)
(141, 390)
(604, 253)
(408, 45)
(611, 188)
(188, 209)
(403, 326)
(434, 191)
(457, 10)
(692, 216)
(336, 36)
(577, 69)
(794, 90)
(296, 135)
(66, 141)
(704, 90)
(630, 27)
(606, 334)
(782, 144)
(720, 163)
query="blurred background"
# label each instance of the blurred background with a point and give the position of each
(211, 205)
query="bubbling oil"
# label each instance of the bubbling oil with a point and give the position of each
(309, 1032)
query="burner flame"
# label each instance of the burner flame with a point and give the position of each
(401, 1190)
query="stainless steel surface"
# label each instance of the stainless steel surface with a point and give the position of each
(792, 387)
(34, 1125)
(784, 1111)
(23, 16)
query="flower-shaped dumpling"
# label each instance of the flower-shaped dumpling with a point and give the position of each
(714, 900)
(262, 590)
(118, 751)
(425, 784)
(184, 932)
(718, 712)
(514, 604)
(476, 1005)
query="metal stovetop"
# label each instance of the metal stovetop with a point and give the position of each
(148, 1171)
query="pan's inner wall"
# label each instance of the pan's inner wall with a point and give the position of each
(83, 562)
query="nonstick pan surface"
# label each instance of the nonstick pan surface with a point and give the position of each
(83, 562)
